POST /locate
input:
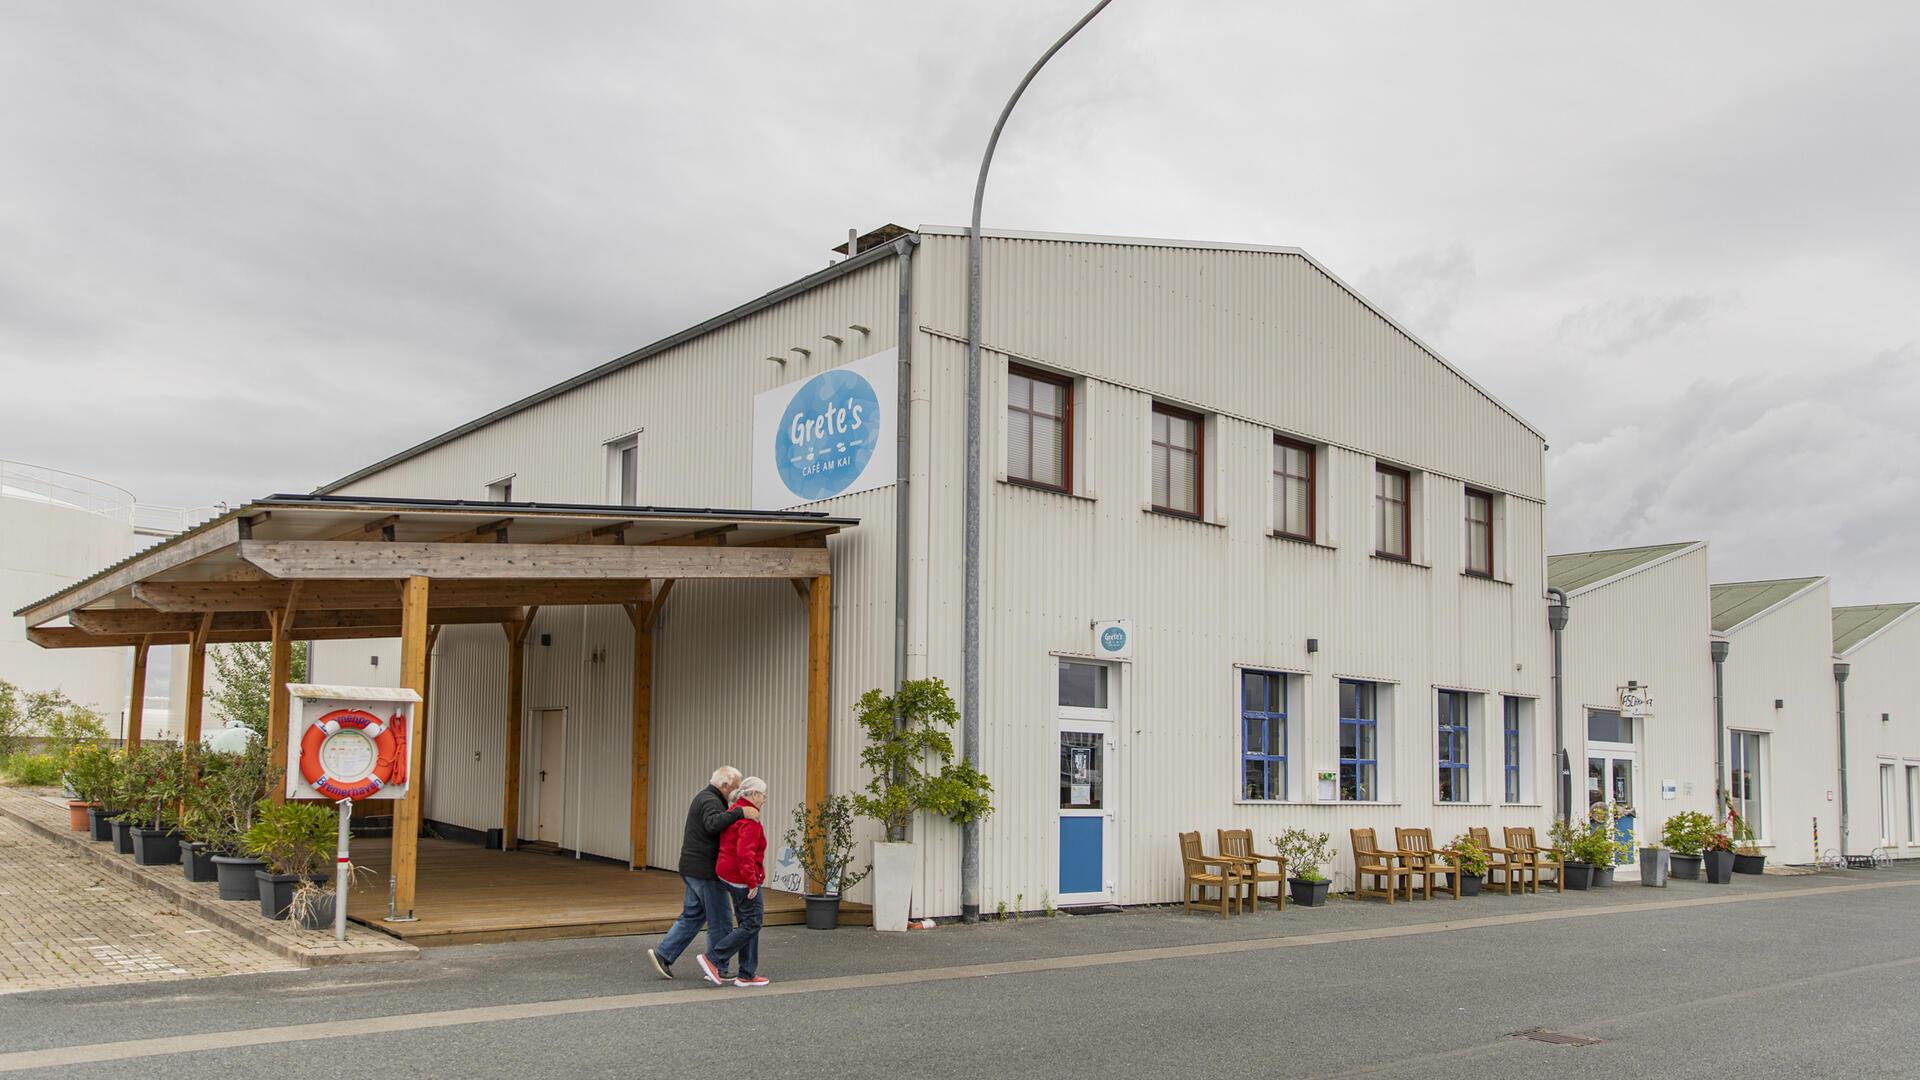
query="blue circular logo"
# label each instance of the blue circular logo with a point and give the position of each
(827, 435)
(1113, 639)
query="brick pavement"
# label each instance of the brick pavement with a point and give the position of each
(65, 923)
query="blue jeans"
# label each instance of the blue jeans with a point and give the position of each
(744, 941)
(706, 903)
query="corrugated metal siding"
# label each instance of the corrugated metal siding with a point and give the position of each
(1786, 655)
(1651, 627)
(1884, 680)
(1264, 335)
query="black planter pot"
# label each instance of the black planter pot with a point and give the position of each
(1683, 867)
(276, 892)
(823, 912)
(1749, 864)
(156, 847)
(1470, 884)
(100, 823)
(1309, 893)
(1719, 866)
(1578, 874)
(122, 836)
(196, 862)
(318, 916)
(236, 877)
(1603, 877)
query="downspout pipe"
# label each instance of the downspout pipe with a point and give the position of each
(1558, 614)
(1718, 650)
(903, 449)
(970, 539)
(1840, 672)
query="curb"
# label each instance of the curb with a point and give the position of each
(220, 913)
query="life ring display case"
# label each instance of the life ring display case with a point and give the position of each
(349, 742)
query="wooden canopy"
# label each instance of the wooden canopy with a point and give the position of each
(310, 567)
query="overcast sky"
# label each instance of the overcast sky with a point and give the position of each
(1679, 238)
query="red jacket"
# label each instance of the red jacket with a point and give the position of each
(743, 852)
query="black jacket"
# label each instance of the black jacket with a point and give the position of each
(707, 818)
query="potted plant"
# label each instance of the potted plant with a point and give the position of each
(163, 781)
(1746, 854)
(909, 753)
(78, 758)
(200, 824)
(91, 774)
(1470, 861)
(297, 842)
(1685, 834)
(235, 792)
(1605, 847)
(130, 795)
(1574, 850)
(821, 839)
(1717, 858)
(1306, 853)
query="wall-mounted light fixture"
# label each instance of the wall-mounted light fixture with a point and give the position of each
(546, 640)
(1779, 703)
(374, 660)
(1313, 644)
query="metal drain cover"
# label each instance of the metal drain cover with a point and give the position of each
(1557, 1038)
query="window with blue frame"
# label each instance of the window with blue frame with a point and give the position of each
(1453, 742)
(1510, 748)
(1263, 735)
(1359, 741)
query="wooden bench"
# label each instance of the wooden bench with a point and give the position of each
(1424, 861)
(1195, 863)
(1370, 860)
(1237, 844)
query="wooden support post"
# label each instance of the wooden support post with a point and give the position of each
(516, 701)
(137, 696)
(819, 694)
(413, 676)
(197, 680)
(279, 703)
(426, 696)
(638, 791)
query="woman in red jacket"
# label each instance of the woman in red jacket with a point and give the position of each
(743, 873)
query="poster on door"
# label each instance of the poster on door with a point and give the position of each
(349, 742)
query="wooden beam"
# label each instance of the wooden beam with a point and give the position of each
(819, 694)
(197, 680)
(137, 696)
(132, 621)
(641, 736)
(800, 587)
(279, 702)
(197, 596)
(659, 602)
(516, 694)
(404, 862)
(164, 557)
(426, 699)
(319, 559)
(811, 538)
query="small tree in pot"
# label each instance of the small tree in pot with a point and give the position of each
(92, 773)
(1575, 854)
(1685, 834)
(160, 773)
(1471, 861)
(234, 790)
(821, 839)
(297, 842)
(1306, 853)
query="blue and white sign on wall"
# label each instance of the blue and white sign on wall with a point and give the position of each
(829, 434)
(1113, 639)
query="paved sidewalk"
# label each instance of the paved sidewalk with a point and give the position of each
(64, 923)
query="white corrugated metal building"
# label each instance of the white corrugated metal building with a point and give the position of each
(1325, 545)
(1880, 644)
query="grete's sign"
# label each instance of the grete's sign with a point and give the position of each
(830, 434)
(1113, 639)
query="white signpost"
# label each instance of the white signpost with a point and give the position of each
(348, 744)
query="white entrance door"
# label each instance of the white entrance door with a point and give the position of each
(1088, 814)
(550, 777)
(1613, 775)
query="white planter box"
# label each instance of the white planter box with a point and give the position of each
(894, 868)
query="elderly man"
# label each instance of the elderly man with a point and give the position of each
(706, 901)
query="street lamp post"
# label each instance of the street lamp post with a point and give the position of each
(970, 670)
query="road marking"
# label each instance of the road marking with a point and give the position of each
(361, 1028)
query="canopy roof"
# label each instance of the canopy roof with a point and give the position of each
(338, 561)
(1578, 570)
(1737, 603)
(1852, 626)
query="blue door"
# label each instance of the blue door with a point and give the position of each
(1086, 814)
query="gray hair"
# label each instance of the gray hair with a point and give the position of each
(752, 785)
(724, 775)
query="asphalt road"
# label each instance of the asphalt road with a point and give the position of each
(1807, 977)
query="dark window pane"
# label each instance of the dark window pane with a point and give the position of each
(1083, 686)
(1607, 725)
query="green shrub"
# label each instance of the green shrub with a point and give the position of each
(1687, 832)
(93, 772)
(32, 770)
(1305, 853)
(293, 838)
(907, 736)
(822, 839)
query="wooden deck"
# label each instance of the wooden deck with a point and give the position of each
(467, 895)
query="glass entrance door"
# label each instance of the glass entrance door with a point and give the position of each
(1612, 777)
(1087, 825)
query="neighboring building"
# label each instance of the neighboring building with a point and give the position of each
(1323, 543)
(1782, 756)
(1637, 643)
(1880, 644)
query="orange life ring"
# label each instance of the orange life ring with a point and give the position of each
(390, 761)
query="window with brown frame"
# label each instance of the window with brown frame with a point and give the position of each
(1293, 494)
(1479, 533)
(1039, 429)
(1178, 457)
(1393, 516)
